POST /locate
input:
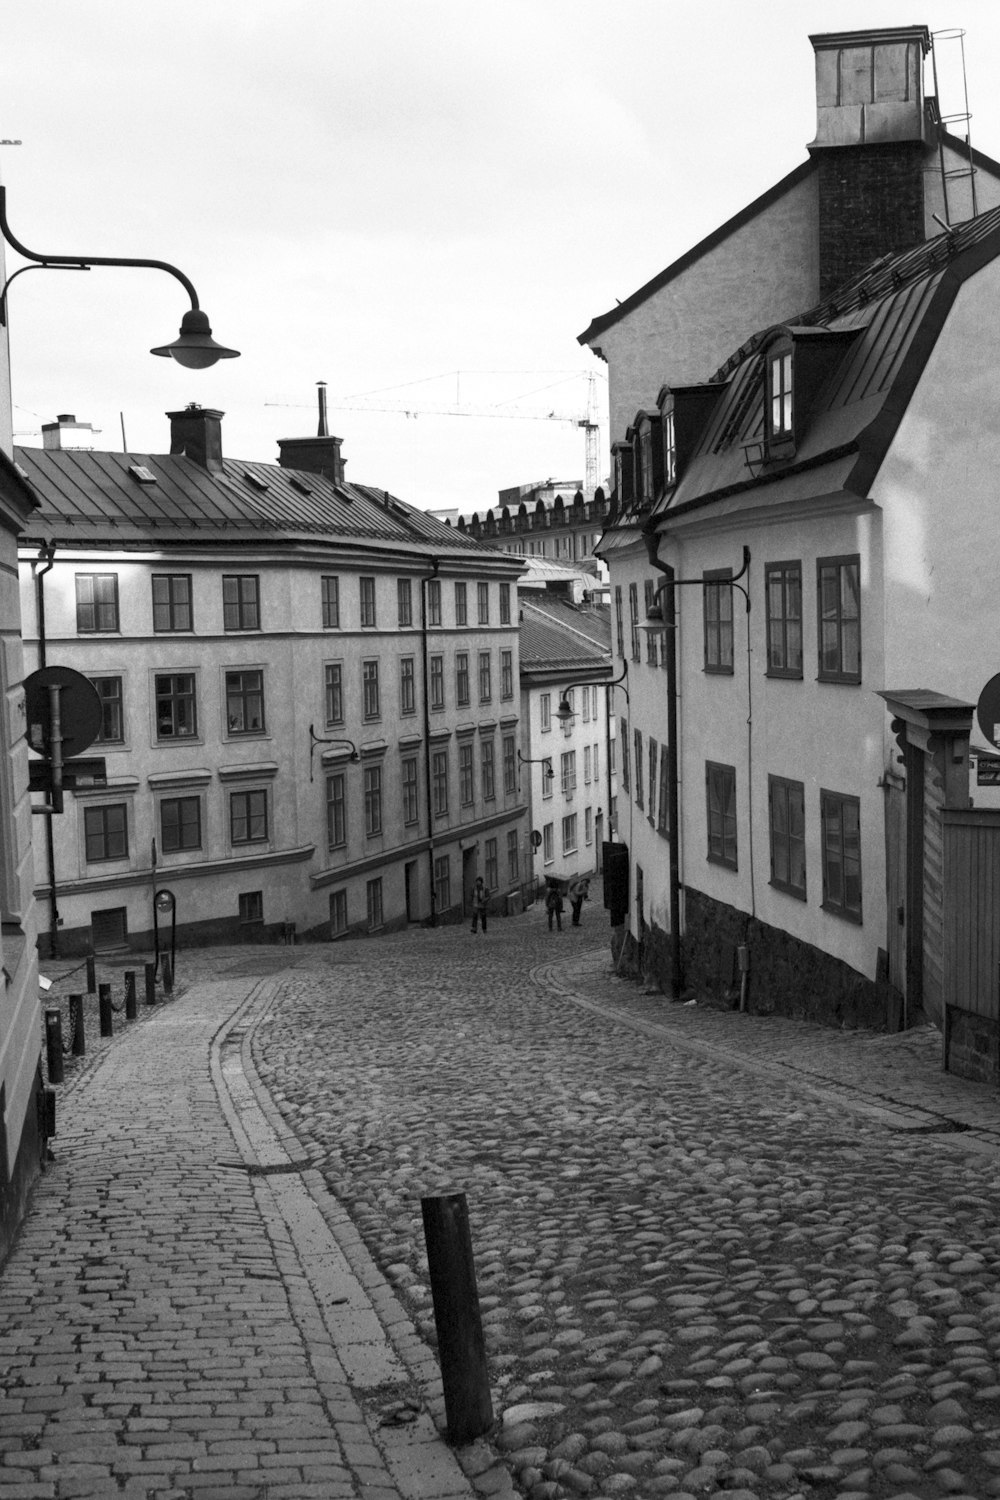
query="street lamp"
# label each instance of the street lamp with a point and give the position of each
(565, 712)
(195, 347)
(543, 760)
(315, 740)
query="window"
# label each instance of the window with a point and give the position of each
(462, 679)
(513, 860)
(840, 833)
(548, 843)
(112, 730)
(442, 882)
(248, 817)
(588, 825)
(330, 596)
(374, 895)
(720, 783)
(245, 702)
(597, 762)
(240, 601)
(625, 760)
(663, 818)
(180, 824)
(652, 641)
(251, 907)
(485, 677)
(338, 913)
(487, 769)
(567, 772)
(439, 782)
(176, 714)
(96, 602)
(461, 604)
(586, 765)
(718, 607)
(669, 449)
(492, 863)
(505, 604)
(569, 834)
(545, 712)
(404, 601)
(466, 776)
(334, 684)
(434, 601)
(783, 587)
(585, 696)
(437, 681)
(172, 601)
(509, 765)
(483, 601)
(506, 674)
(787, 817)
(780, 413)
(373, 800)
(633, 615)
(336, 811)
(839, 603)
(407, 686)
(105, 832)
(410, 794)
(651, 784)
(366, 590)
(612, 764)
(369, 690)
(637, 741)
(619, 625)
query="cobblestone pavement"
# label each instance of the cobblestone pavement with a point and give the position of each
(717, 1254)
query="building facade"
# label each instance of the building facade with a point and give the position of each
(308, 690)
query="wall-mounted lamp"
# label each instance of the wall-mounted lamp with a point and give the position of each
(315, 740)
(544, 760)
(657, 621)
(195, 348)
(564, 712)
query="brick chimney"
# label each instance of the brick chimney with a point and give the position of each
(197, 433)
(316, 455)
(871, 143)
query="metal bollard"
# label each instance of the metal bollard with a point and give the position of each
(150, 984)
(76, 1025)
(168, 975)
(130, 994)
(105, 1011)
(461, 1346)
(54, 1045)
(91, 974)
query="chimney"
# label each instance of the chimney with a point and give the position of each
(871, 142)
(67, 433)
(196, 432)
(318, 455)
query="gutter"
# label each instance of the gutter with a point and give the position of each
(669, 608)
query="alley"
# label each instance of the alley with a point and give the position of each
(695, 1277)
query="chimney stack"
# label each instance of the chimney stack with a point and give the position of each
(196, 432)
(318, 455)
(872, 136)
(67, 433)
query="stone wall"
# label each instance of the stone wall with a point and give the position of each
(973, 1046)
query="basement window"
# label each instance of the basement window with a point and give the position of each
(142, 474)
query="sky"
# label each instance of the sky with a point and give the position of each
(420, 202)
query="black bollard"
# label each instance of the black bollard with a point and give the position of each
(54, 1045)
(76, 1025)
(130, 994)
(91, 974)
(150, 984)
(105, 1011)
(168, 975)
(461, 1346)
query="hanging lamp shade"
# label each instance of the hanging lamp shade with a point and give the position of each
(196, 349)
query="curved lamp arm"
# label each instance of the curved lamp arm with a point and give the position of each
(564, 712)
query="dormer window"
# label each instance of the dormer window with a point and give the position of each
(669, 449)
(780, 411)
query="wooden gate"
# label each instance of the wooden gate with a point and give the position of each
(971, 933)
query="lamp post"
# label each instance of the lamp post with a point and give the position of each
(565, 712)
(195, 347)
(315, 740)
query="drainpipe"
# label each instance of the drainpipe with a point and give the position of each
(669, 608)
(46, 555)
(425, 580)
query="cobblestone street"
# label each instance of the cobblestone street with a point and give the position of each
(700, 1270)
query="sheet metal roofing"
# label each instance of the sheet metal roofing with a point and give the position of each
(557, 636)
(127, 497)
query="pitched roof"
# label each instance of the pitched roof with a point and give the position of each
(552, 639)
(90, 496)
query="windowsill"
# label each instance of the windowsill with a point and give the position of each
(841, 679)
(854, 918)
(723, 864)
(788, 890)
(784, 673)
(718, 671)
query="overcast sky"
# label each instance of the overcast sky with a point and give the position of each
(382, 193)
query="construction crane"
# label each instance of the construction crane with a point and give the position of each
(588, 422)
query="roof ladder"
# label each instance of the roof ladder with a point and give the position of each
(953, 61)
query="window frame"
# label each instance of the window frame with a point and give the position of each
(841, 802)
(174, 699)
(333, 694)
(110, 701)
(466, 774)
(374, 904)
(102, 810)
(182, 802)
(404, 603)
(461, 603)
(779, 398)
(372, 791)
(336, 810)
(777, 625)
(570, 834)
(505, 609)
(463, 682)
(718, 627)
(513, 856)
(436, 681)
(407, 686)
(841, 563)
(97, 605)
(172, 604)
(434, 602)
(329, 585)
(486, 676)
(256, 809)
(367, 606)
(409, 782)
(371, 692)
(508, 750)
(488, 768)
(720, 820)
(439, 781)
(783, 842)
(338, 912)
(243, 692)
(506, 675)
(245, 604)
(483, 603)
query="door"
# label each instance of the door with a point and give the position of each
(469, 860)
(895, 878)
(409, 881)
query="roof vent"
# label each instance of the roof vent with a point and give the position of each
(299, 484)
(142, 474)
(255, 480)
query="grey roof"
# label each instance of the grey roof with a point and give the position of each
(558, 636)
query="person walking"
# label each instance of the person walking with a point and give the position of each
(554, 906)
(579, 892)
(480, 897)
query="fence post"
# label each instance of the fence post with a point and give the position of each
(461, 1346)
(150, 984)
(105, 1011)
(54, 1044)
(130, 994)
(76, 1025)
(91, 974)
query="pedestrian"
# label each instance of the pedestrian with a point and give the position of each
(480, 896)
(579, 892)
(554, 906)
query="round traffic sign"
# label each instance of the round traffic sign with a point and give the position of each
(165, 901)
(80, 710)
(988, 710)
(536, 838)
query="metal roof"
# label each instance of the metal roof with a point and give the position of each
(551, 638)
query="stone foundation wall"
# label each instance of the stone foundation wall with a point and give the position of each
(973, 1043)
